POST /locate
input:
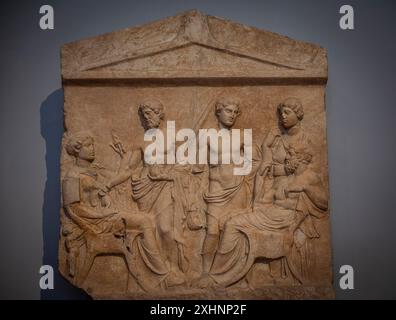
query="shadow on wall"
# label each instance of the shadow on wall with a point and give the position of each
(51, 127)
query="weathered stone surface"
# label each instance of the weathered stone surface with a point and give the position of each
(135, 230)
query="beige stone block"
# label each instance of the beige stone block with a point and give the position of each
(132, 229)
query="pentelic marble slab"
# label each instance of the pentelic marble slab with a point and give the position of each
(194, 163)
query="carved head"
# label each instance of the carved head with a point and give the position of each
(290, 112)
(297, 158)
(81, 145)
(151, 112)
(227, 111)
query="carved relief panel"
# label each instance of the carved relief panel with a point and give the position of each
(175, 219)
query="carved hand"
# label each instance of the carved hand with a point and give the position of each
(117, 145)
(264, 168)
(105, 201)
(294, 188)
(161, 177)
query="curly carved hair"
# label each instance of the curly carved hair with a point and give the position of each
(152, 104)
(223, 102)
(75, 141)
(294, 104)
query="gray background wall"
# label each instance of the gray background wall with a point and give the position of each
(361, 113)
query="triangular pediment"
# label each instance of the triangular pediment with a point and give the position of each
(192, 58)
(192, 44)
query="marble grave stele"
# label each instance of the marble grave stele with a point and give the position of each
(131, 229)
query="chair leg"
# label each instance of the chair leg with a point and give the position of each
(87, 265)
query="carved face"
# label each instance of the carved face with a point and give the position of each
(288, 117)
(87, 150)
(151, 118)
(228, 114)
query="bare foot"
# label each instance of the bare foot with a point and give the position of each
(175, 278)
(204, 282)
